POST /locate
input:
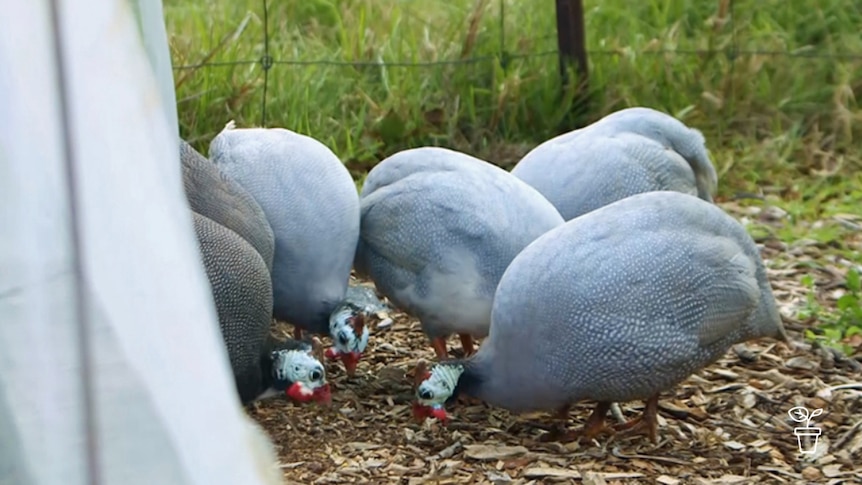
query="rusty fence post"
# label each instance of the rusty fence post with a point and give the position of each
(572, 45)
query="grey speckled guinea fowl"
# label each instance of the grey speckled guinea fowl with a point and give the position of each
(438, 229)
(619, 304)
(242, 293)
(628, 152)
(311, 203)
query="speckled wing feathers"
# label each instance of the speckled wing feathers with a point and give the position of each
(734, 290)
(242, 293)
(212, 194)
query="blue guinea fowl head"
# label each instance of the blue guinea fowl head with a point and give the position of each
(300, 374)
(349, 335)
(434, 388)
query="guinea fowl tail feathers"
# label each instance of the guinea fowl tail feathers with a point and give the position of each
(782, 332)
(775, 326)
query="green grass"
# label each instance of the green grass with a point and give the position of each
(840, 325)
(781, 115)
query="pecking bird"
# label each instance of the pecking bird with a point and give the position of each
(311, 203)
(616, 305)
(628, 152)
(242, 291)
(438, 229)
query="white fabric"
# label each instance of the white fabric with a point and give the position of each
(149, 16)
(165, 407)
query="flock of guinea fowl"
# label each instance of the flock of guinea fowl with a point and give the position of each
(598, 269)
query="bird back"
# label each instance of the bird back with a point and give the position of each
(311, 203)
(212, 194)
(630, 299)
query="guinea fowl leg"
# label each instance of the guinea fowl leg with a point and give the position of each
(647, 423)
(594, 426)
(559, 429)
(439, 344)
(297, 333)
(467, 344)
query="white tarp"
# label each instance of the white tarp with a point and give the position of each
(163, 404)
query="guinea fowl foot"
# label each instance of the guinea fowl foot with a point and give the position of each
(646, 424)
(594, 426)
(467, 344)
(439, 345)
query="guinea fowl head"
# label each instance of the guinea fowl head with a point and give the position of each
(300, 374)
(349, 335)
(434, 389)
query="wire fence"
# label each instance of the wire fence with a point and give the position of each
(570, 49)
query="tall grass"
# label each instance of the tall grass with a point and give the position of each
(772, 84)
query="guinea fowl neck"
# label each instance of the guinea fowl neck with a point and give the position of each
(266, 361)
(472, 378)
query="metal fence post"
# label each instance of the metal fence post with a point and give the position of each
(571, 42)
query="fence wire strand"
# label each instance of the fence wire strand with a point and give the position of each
(504, 57)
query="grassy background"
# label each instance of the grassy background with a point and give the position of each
(772, 84)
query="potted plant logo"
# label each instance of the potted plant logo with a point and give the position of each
(804, 434)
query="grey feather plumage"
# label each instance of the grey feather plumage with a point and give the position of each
(214, 195)
(622, 303)
(438, 229)
(311, 203)
(242, 293)
(628, 152)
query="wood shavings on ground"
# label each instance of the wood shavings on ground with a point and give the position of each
(727, 424)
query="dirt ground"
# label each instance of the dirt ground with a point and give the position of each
(728, 423)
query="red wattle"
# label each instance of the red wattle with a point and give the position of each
(420, 411)
(296, 393)
(323, 394)
(331, 353)
(350, 360)
(440, 414)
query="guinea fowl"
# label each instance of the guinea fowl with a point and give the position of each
(311, 203)
(628, 152)
(242, 292)
(241, 287)
(438, 229)
(616, 305)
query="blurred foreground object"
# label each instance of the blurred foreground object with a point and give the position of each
(97, 250)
